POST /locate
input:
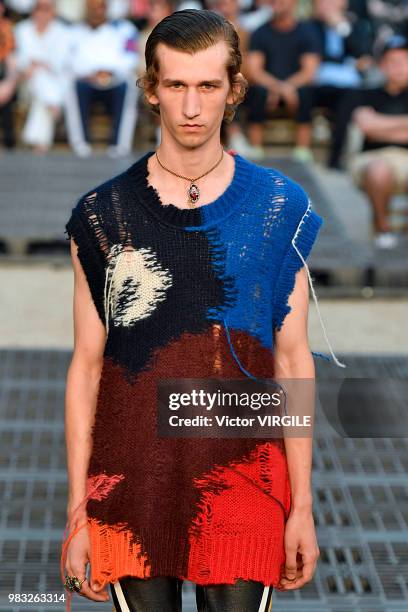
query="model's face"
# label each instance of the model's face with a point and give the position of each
(192, 89)
(395, 67)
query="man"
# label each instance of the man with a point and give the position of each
(103, 60)
(345, 53)
(184, 265)
(42, 55)
(282, 61)
(381, 167)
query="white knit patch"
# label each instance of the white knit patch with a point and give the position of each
(135, 284)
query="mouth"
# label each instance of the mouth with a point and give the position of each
(191, 125)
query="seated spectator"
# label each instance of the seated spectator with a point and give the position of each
(254, 13)
(8, 79)
(283, 58)
(345, 50)
(157, 10)
(381, 168)
(42, 48)
(232, 132)
(103, 61)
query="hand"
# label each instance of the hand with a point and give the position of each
(272, 99)
(102, 78)
(364, 116)
(289, 94)
(301, 550)
(78, 556)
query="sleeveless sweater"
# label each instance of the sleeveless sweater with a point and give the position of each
(187, 293)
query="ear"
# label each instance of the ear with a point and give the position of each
(235, 89)
(151, 97)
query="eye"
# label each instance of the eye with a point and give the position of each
(208, 86)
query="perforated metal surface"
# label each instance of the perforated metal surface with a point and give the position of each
(360, 492)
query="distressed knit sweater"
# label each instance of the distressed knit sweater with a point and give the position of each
(187, 293)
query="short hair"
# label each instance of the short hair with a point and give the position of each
(192, 30)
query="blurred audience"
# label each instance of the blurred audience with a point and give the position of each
(102, 67)
(8, 79)
(157, 10)
(20, 8)
(70, 10)
(73, 54)
(232, 132)
(387, 17)
(282, 61)
(381, 116)
(42, 53)
(345, 51)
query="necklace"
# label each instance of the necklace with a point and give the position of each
(193, 191)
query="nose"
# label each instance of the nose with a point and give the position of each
(191, 103)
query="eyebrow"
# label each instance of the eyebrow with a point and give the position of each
(212, 81)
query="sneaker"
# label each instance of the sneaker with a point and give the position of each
(116, 152)
(302, 154)
(386, 240)
(82, 149)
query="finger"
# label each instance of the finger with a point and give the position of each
(89, 593)
(284, 581)
(79, 569)
(303, 576)
(290, 564)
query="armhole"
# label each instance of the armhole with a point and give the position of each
(301, 242)
(90, 253)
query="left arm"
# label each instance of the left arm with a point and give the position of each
(309, 62)
(382, 127)
(293, 359)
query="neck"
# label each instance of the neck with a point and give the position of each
(191, 162)
(284, 22)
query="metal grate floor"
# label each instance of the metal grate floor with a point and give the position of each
(360, 491)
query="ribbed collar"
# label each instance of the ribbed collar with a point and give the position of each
(206, 214)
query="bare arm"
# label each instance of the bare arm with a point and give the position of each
(381, 127)
(309, 63)
(293, 359)
(255, 63)
(82, 383)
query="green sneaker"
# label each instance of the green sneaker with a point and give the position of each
(303, 154)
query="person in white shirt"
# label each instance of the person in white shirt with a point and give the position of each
(42, 43)
(103, 61)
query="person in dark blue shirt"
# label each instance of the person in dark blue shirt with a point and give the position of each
(282, 61)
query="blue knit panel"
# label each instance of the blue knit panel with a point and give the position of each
(252, 246)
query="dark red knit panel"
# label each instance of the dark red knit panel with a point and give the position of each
(125, 442)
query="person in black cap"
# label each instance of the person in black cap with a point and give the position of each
(380, 168)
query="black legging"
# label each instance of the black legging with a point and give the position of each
(163, 594)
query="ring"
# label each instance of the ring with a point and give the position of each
(72, 583)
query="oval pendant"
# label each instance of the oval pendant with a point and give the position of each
(193, 193)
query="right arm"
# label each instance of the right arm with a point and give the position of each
(82, 387)
(82, 384)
